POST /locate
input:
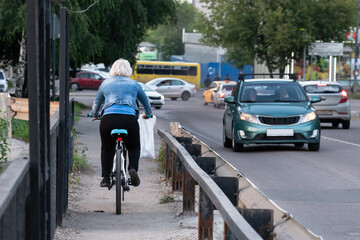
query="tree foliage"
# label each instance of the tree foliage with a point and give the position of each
(112, 29)
(103, 33)
(168, 36)
(12, 23)
(270, 30)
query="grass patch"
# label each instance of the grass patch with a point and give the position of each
(78, 107)
(167, 199)
(354, 95)
(161, 157)
(20, 129)
(10, 84)
(80, 163)
(4, 145)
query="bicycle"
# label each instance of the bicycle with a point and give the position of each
(118, 175)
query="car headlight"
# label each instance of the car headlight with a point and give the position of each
(308, 117)
(248, 117)
(162, 97)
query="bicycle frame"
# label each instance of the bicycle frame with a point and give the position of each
(124, 178)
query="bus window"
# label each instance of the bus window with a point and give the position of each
(145, 69)
(160, 69)
(180, 70)
(192, 71)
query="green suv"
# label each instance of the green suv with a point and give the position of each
(270, 111)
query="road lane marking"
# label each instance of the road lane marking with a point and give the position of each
(341, 141)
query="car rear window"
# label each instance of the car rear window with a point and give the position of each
(228, 87)
(322, 88)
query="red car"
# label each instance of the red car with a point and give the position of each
(87, 80)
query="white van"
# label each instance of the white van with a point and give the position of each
(3, 82)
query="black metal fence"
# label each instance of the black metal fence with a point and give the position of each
(15, 202)
(34, 192)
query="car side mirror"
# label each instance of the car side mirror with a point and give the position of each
(230, 99)
(316, 99)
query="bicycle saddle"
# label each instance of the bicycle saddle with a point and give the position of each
(119, 133)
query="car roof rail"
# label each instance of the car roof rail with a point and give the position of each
(291, 75)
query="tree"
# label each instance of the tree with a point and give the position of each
(168, 37)
(112, 29)
(270, 30)
(100, 31)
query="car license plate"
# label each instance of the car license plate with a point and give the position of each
(324, 112)
(279, 132)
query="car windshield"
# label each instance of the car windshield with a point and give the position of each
(272, 92)
(322, 88)
(103, 74)
(146, 88)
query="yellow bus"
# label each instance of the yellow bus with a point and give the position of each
(145, 71)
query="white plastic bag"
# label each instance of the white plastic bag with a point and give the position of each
(147, 142)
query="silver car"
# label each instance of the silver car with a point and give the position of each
(221, 92)
(335, 105)
(156, 99)
(173, 88)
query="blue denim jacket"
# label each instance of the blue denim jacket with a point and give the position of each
(120, 90)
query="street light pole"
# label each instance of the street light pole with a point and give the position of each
(356, 47)
(306, 36)
(304, 63)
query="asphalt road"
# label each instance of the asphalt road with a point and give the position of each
(320, 189)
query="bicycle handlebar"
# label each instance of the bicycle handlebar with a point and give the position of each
(98, 117)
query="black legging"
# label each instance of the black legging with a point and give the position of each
(108, 143)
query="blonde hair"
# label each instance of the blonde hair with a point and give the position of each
(121, 67)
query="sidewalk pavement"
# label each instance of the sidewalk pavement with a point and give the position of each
(91, 211)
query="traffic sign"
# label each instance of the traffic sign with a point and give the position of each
(326, 49)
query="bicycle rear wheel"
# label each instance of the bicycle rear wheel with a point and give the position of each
(118, 181)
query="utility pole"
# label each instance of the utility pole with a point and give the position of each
(306, 36)
(356, 48)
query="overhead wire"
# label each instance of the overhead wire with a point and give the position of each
(85, 10)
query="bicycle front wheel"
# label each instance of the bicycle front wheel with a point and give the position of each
(118, 181)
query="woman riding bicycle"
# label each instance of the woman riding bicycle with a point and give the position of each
(120, 111)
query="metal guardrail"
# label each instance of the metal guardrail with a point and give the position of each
(248, 196)
(236, 223)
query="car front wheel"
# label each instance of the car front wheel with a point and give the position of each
(173, 98)
(226, 140)
(74, 86)
(204, 101)
(237, 147)
(314, 146)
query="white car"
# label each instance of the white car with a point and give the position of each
(156, 99)
(334, 107)
(173, 88)
(3, 82)
(221, 92)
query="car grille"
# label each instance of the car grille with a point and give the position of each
(279, 120)
(155, 98)
(263, 137)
